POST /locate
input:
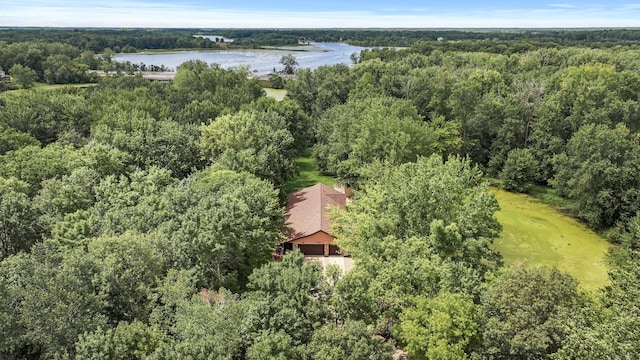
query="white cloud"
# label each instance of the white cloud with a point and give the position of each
(564, 6)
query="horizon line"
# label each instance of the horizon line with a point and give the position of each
(321, 28)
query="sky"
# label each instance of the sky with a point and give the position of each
(320, 14)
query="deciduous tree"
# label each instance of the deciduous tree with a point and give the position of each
(289, 62)
(599, 172)
(415, 229)
(256, 142)
(520, 312)
(23, 75)
(363, 131)
(519, 170)
(443, 327)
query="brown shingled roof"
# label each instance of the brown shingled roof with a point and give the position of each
(307, 208)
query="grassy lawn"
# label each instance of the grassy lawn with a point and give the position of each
(278, 94)
(45, 86)
(58, 86)
(309, 175)
(536, 233)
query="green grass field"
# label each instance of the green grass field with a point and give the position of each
(44, 86)
(309, 175)
(536, 233)
(278, 94)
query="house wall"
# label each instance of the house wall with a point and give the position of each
(319, 238)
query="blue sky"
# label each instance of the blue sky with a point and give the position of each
(328, 13)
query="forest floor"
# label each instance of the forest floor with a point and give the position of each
(535, 233)
(309, 175)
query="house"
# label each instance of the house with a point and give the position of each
(3, 76)
(308, 223)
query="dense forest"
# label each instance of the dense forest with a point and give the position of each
(138, 219)
(132, 40)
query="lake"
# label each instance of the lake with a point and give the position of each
(259, 61)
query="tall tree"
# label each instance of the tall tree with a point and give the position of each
(53, 301)
(299, 124)
(289, 62)
(293, 295)
(519, 170)
(23, 75)
(415, 229)
(352, 340)
(521, 312)
(364, 131)
(149, 141)
(253, 141)
(443, 327)
(599, 172)
(318, 90)
(20, 226)
(609, 327)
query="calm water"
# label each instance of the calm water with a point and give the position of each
(259, 61)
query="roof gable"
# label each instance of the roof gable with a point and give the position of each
(307, 209)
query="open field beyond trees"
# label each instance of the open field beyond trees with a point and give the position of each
(278, 94)
(535, 233)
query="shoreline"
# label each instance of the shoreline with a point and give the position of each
(298, 48)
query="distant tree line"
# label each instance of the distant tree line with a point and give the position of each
(132, 40)
(58, 63)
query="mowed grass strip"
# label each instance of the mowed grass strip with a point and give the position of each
(308, 175)
(535, 233)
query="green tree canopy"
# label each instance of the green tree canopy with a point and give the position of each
(292, 295)
(23, 75)
(289, 62)
(352, 340)
(519, 170)
(127, 341)
(318, 90)
(47, 115)
(20, 226)
(10, 139)
(227, 88)
(520, 312)
(361, 132)
(150, 142)
(599, 171)
(256, 142)
(443, 327)
(415, 229)
(299, 124)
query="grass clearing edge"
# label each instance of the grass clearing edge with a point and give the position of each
(308, 175)
(534, 233)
